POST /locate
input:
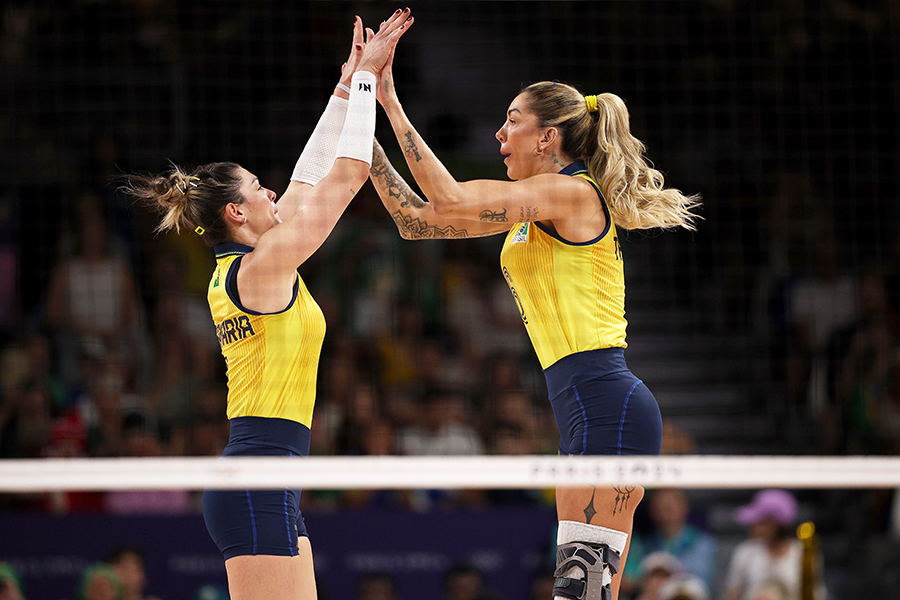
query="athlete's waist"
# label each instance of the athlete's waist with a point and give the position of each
(267, 432)
(582, 366)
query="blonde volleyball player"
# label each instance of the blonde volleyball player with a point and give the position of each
(578, 174)
(269, 327)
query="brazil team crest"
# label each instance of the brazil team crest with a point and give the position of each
(521, 235)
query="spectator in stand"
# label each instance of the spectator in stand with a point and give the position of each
(772, 551)
(129, 563)
(92, 301)
(684, 587)
(109, 397)
(363, 405)
(10, 584)
(863, 373)
(99, 581)
(376, 586)
(465, 582)
(657, 569)
(669, 509)
(771, 590)
(26, 419)
(445, 428)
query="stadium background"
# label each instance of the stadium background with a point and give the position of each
(772, 329)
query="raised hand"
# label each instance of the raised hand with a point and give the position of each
(356, 51)
(381, 45)
(386, 92)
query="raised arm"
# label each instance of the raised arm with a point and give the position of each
(415, 218)
(268, 273)
(318, 155)
(543, 197)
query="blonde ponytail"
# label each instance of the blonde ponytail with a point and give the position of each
(635, 192)
(596, 129)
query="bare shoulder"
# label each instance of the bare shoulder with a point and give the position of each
(578, 214)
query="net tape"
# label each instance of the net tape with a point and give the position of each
(486, 472)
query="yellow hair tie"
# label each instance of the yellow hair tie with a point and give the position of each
(200, 230)
(591, 102)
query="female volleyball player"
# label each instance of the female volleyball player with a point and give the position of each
(577, 173)
(269, 327)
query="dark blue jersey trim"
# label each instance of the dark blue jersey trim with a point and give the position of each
(231, 289)
(574, 168)
(577, 168)
(231, 249)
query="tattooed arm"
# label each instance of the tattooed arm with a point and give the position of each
(543, 197)
(415, 218)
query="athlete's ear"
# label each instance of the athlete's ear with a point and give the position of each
(549, 136)
(234, 214)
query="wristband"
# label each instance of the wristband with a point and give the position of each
(317, 157)
(341, 86)
(359, 125)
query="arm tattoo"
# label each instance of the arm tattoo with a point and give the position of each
(414, 228)
(493, 216)
(409, 147)
(528, 213)
(396, 193)
(388, 181)
(403, 203)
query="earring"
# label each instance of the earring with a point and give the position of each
(540, 149)
(245, 219)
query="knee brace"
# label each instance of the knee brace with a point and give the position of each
(585, 565)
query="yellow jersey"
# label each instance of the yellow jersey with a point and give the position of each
(271, 358)
(571, 295)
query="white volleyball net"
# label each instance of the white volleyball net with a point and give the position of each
(472, 472)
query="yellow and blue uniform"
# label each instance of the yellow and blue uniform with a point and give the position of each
(272, 360)
(571, 297)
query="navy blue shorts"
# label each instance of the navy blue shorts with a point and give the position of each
(601, 407)
(243, 522)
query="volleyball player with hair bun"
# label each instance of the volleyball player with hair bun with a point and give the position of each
(578, 173)
(269, 327)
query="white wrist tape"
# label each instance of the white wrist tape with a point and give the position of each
(359, 125)
(317, 157)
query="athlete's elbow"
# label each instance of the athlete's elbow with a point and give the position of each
(445, 205)
(351, 170)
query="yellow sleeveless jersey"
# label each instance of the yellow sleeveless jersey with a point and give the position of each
(271, 359)
(571, 295)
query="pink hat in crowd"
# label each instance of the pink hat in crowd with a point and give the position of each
(777, 505)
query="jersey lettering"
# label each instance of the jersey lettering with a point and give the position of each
(232, 330)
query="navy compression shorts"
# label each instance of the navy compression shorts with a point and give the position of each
(250, 522)
(601, 407)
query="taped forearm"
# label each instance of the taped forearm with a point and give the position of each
(318, 156)
(359, 124)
